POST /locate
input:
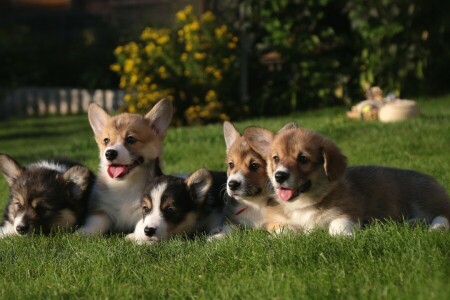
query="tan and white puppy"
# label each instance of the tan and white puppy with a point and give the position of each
(249, 185)
(130, 149)
(311, 178)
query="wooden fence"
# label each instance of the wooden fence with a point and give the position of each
(59, 101)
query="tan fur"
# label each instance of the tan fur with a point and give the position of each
(342, 198)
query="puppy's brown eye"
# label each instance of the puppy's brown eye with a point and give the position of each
(19, 205)
(302, 159)
(276, 159)
(254, 167)
(231, 165)
(106, 141)
(145, 209)
(130, 140)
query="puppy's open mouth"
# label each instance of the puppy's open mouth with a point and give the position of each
(120, 171)
(287, 194)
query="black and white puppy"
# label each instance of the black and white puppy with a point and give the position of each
(173, 206)
(45, 196)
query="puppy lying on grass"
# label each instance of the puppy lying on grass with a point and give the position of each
(318, 190)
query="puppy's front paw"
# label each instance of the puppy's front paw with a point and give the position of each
(219, 233)
(440, 223)
(341, 227)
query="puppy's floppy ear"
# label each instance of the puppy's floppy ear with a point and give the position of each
(291, 125)
(97, 118)
(10, 168)
(259, 139)
(199, 184)
(80, 177)
(160, 116)
(230, 134)
(334, 162)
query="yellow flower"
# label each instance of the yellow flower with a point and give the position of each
(128, 66)
(231, 45)
(211, 95)
(115, 67)
(131, 108)
(188, 47)
(195, 26)
(133, 79)
(208, 17)
(163, 40)
(199, 55)
(184, 56)
(217, 75)
(118, 50)
(123, 82)
(149, 48)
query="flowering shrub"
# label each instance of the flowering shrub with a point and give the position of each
(193, 64)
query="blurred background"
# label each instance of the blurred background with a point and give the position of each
(217, 59)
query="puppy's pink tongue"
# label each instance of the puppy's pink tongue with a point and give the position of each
(285, 194)
(115, 171)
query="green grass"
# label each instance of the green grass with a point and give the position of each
(383, 261)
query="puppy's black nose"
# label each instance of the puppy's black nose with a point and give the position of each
(150, 231)
(111, 154)
(234, 185)
(22, 229)
(281, 177)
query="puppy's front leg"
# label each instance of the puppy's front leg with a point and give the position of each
(342, 226)
(97, 223)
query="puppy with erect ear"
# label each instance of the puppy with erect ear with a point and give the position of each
(172, 206)
(311, 179)
(45, 196)
(131, 147)
(251, 204)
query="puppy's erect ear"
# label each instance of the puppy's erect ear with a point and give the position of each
(80, 177)
(97, 118)
(291, 125)
(230, 134)
(334, 162)
(260, 139)
(160, 116)
(199, 184)
(10, 168)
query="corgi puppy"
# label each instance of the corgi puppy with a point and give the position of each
(251, 204)
(173, 206)
(130, 145)
(311, 179)
(45, 196)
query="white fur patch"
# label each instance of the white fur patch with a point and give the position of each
(440, 223)
(51, 166)
(341, 226)
(155, 218)
(95, 224)
(235, 177)
(123, 155)
(7, 229)
(18, 220)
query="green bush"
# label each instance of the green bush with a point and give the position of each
(194, 64)
(327, 52)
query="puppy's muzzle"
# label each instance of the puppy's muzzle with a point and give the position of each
(281, 176)
(22, 229)
(150, 231)
(234, 185)
(111, 154)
